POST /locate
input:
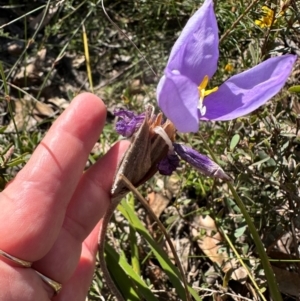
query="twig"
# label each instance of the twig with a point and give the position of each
(237, 21)
(126, 36)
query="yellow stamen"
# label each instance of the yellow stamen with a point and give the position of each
(203, 84)
(207, 92)
(203, 92)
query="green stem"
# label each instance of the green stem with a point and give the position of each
(272, 284)
(273, 287)
(238, 256)
(133, 241)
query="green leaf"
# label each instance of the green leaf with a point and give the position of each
(240, 231)
(295, 89)
(125, 277)
(159, 253)
(17, 161)
(234, 141)
(171, 219)
(2, 129)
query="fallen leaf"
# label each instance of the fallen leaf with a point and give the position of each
(211, 242)
(27, 112)
(60, 102)
(157, 202)
(42, 109)
(33, 72)
(288, 282)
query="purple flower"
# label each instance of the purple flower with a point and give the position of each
(193, 60)
(169, 164)
(201, 162)
(128, 123)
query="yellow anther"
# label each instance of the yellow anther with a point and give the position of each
(202, 86)
(207, 92)
(203, 92)
(204, 83)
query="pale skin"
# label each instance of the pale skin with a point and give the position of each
(51, 212)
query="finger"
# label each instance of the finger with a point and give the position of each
(21, 284)
(33, 206)
(76, 288)
(88, 205)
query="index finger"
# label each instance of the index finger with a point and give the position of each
(34, 204)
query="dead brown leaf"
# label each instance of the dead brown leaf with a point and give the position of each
(157, 202)
(211, 242)
(27, 113)
(42, 109)
(60, 102)
(33, 72)
(288, 281)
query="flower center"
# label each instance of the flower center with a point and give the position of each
(202, 93)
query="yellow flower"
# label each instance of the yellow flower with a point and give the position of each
(228, 67)
(267, 19)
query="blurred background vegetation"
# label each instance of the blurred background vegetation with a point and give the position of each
(44, 66)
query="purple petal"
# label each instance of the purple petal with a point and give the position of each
(202, 163)
(124, 114)
(128, 123)
(195, 53)
(178, 99)
(168, 164)
(247, 91)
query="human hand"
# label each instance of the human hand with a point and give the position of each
(50, 213)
